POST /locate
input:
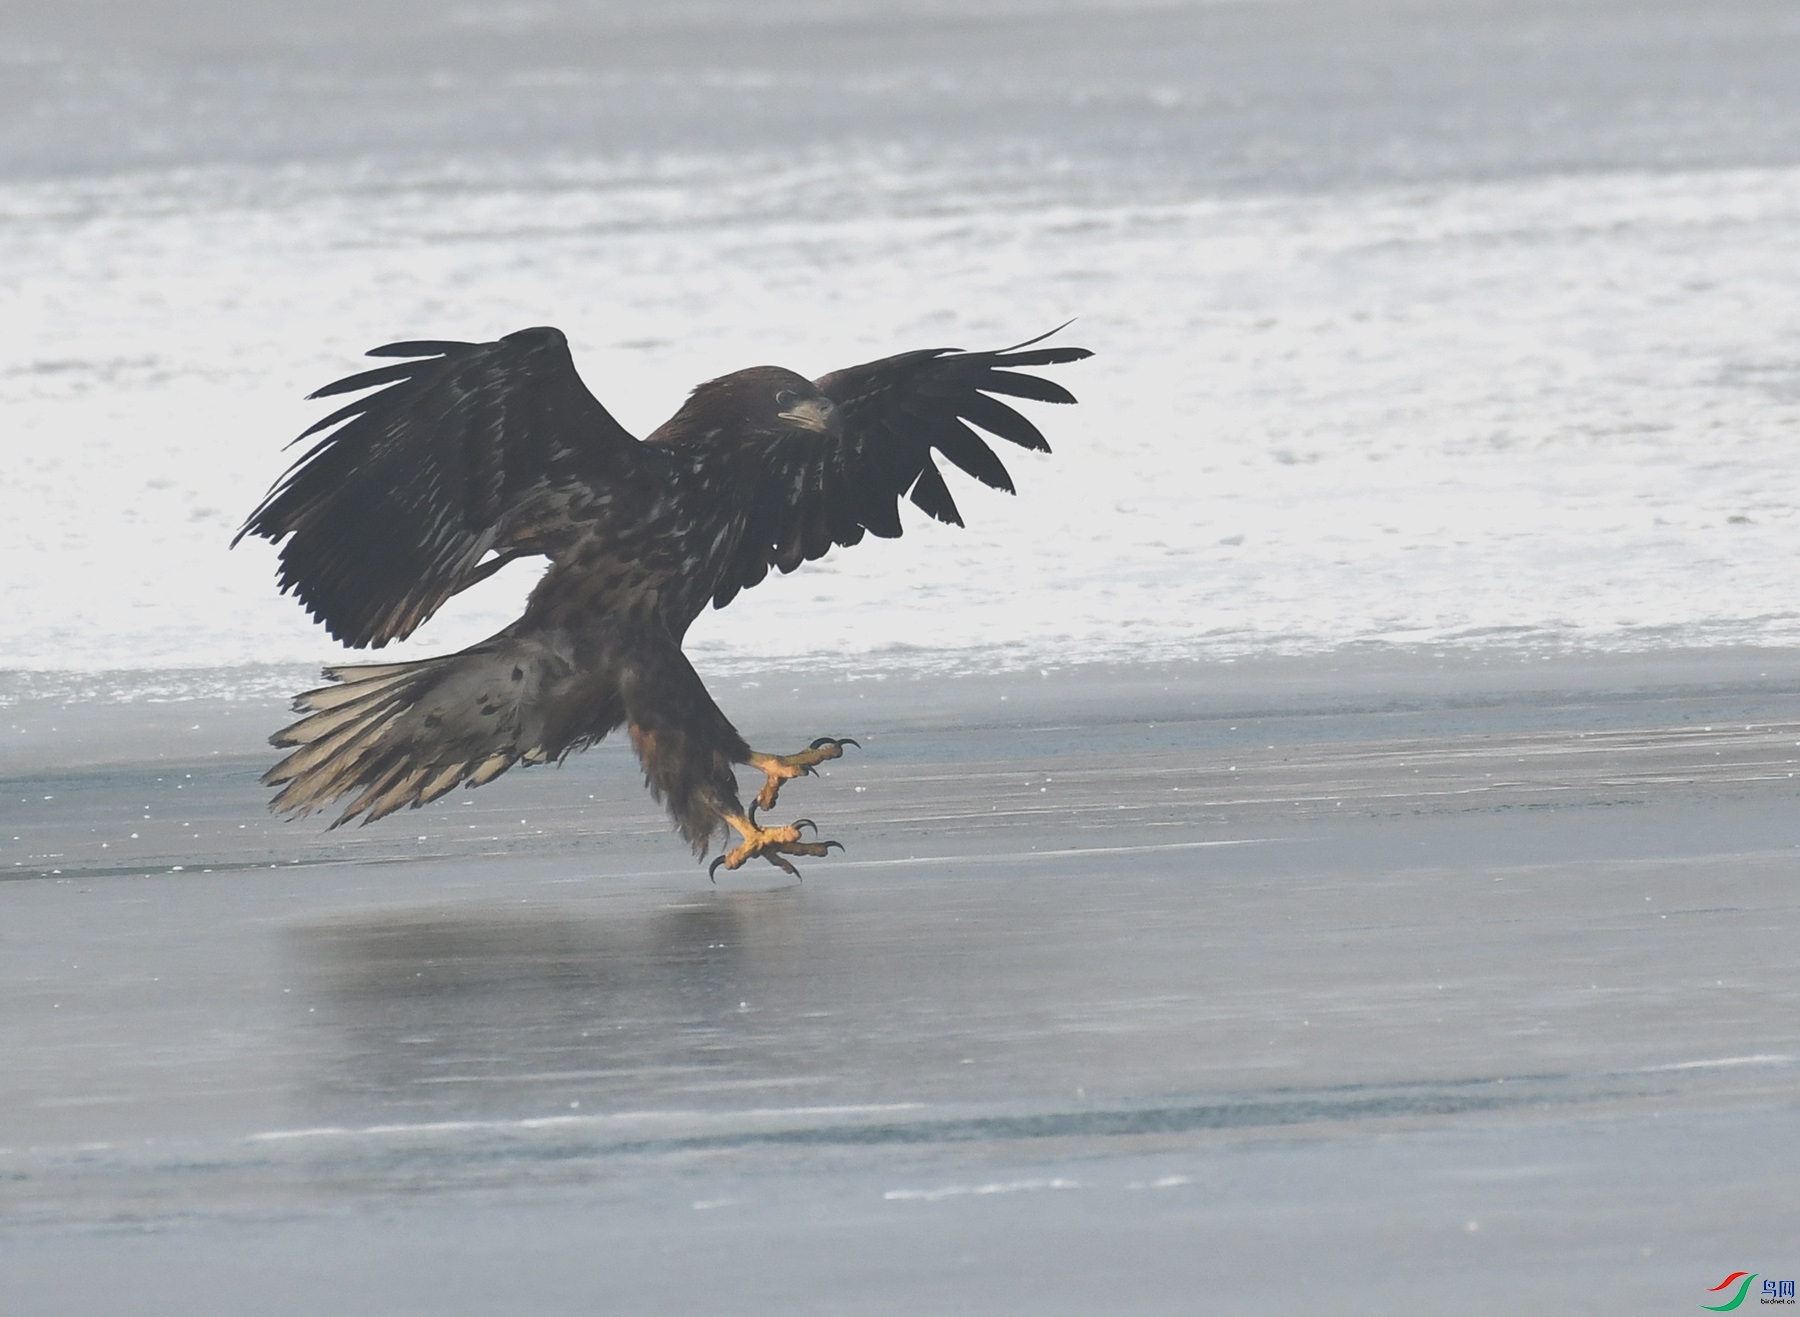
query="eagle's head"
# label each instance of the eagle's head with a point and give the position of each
(761, 400)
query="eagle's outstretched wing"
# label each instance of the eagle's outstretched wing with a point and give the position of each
(816, 490)
(467, 450)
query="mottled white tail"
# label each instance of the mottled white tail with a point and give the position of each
(403, 734)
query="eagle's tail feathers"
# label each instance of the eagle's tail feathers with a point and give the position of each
(489, 769)
(395, 788)
(397, 734)
(317, 730)
(336, 697)
(362, 672)
(443, 782)
(306, 777)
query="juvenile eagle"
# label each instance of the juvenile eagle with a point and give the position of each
(470, 455)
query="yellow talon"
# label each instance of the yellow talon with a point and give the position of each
(773, 844)
(780, 768)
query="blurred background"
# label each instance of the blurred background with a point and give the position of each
(1446, 323)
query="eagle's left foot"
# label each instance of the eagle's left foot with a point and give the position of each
(782, 767)
(773, 844)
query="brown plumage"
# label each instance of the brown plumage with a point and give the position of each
(470, 455)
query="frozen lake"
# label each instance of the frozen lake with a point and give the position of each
(1159, 991)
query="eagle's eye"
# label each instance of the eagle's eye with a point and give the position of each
(786, 398)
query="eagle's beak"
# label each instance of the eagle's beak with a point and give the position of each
(819, 414)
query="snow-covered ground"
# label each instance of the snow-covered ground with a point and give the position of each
(1477, 330)
(1554, 410)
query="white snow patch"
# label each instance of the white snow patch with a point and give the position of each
(959, 1190)
(1554, 411)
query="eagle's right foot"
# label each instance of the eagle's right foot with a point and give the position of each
(772, 844)
(780, 768)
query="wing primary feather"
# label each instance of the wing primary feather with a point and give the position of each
(420, 347)
(1014, 385)
(1049, 333)
(1003, 422)
(368, 379)
(343, 413)
(932, 495)
(1042, 357)
(965, 448)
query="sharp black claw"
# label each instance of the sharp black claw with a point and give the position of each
(751, 813)
(847, 741)
(805, 823)
(712, 872)
(829, 844)
(823, 740)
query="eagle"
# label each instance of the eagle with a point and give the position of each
(460, 458)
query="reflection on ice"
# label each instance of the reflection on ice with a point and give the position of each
(467, 1010)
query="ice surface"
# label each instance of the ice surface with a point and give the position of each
(1172, 1002)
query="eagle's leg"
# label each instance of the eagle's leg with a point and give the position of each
(688, 748)
(773, 844)
(779, 768)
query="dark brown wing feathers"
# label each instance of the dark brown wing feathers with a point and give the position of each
(896, 413)
(458, 454)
